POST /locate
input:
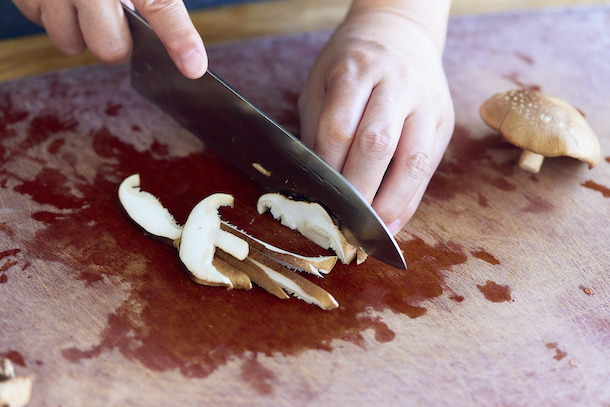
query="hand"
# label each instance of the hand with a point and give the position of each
(100, 25)
(376, 106)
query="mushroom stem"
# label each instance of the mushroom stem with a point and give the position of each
(530, 161)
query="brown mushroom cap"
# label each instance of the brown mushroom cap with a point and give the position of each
(542, 124)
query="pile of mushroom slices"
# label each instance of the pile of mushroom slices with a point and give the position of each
(217, 253)
(542, 125)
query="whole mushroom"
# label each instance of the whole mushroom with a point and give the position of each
(542, 125)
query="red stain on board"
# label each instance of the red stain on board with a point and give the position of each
(7, 229)
(45, 125)
(259, 377)
(49, 187)
(55, 145)
(605, 191)
(169, 322)
(14, 356)
(514, 78)
(608, 159)
(9, 115)
(3, 278)
(480, 254)
(494, 292)
(468, 162)
(483, 201)
(8, 253)
(113, 109)
(537, 204)
(525, 58)
(7, 265)
(559, 354)
(503, 184)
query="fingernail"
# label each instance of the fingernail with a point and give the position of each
(394, 227)
(192, 63)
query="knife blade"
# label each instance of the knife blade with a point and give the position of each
(245, 136)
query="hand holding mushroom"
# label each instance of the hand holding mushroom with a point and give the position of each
(542, 125)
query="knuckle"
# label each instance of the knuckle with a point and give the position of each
(113, 52)
(337, 134)
(378, 144)
(154, 6)
(363, 58)
(72, 48)
(416, 165)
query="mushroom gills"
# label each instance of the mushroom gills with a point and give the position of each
(311, 220)
(290, 281)
(313, 265)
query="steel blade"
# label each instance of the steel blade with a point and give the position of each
(242, 134)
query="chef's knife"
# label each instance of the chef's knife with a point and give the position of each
(245, 136)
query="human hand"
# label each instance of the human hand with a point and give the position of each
(100, 25)
(376, 106)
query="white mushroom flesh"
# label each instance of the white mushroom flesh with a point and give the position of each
(202, 234)
(15, 392)
(311, 220)
(146, 210)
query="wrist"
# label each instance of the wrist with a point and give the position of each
(430, 17)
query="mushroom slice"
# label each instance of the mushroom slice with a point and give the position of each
(311, 220)
(6, 369)
(541, 125)
(200, 237)
(238, 278)
(361, 257)
(146, 210)
(313, 265)
(292, 282)
(16, 391)
(258, 276)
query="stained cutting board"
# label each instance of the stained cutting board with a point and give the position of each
(505, 300)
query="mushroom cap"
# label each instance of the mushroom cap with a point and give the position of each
(541, 123)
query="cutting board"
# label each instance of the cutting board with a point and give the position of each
(505, 300)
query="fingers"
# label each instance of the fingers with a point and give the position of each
(411, 166)
(74, 25)
(61, 23)
(340, 114)
(104, 30)
(419, 153)
(376, 139)
(171, 22)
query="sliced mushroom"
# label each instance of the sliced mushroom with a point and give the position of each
(257, 275)
(234, 265)
(313, 265)
(311, 220)
(542, 125)
(146, 210)
(200, 237)
(361, 257)
(290, 281)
